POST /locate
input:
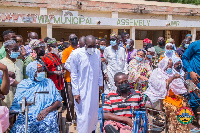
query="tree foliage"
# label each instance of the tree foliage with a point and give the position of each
(195, 2)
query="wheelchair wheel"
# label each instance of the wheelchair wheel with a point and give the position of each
(63, 125)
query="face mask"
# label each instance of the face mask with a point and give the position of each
(138, 58)
(54, 50)
(113, 43)
(74, 42)
(102, 47)
(179, 67)
(128, 46)
(123, 88)
(169, 51)
(14, 55)
(41, 53)
(149, 56)
(40, 76)
(186, 45)
(168, 71)
(162, 43)
(90, 51)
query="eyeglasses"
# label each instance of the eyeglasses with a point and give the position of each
(75, 38)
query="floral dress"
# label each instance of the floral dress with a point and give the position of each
(137, 69)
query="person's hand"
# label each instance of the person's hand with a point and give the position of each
(77, 98)
(106, 77)
(101, 89)
(103, 60)
(143, 78)
(194, 76)
(176, 76)
(2, 97)
(11, 74)
(3, 67)
(128, 121)
(42, 114)
(60, 73)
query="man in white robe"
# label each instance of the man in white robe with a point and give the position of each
(117, 62)
(86, 77)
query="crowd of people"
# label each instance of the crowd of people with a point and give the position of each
(76, 72)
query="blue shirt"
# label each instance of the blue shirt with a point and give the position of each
(191, 61)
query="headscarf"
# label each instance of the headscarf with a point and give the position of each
(51, 41)
(175, 60)
(114, 34)
(8, 42)
(173, 54)
(36, 43)
(146, 40)
(28, 87)
(169, 40)
(157, 83)
(188, 35)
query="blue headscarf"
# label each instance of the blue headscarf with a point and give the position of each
(188, 35)
(28, 87)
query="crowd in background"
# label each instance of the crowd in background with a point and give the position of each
(156, 71)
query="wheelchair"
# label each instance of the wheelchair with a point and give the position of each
(139, 119)
(24, 111)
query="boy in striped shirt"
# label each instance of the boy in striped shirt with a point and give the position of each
(116, 109)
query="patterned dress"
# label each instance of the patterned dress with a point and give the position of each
(137, 69)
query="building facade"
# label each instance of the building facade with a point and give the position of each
(59, 18)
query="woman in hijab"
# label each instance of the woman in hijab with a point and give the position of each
(139, 71)
(166, 85)
(42, 117)
(169, 52)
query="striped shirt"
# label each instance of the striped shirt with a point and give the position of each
(115, 104)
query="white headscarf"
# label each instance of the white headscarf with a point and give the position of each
(172, 55)
(157, 83)
(175, 60)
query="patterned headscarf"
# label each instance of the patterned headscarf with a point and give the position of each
(9, 42)
(114, 34)
(36, 43)
(51, 41)
(146, 40)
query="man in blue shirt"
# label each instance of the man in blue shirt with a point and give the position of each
(191, 62)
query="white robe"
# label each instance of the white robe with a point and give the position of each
(86, 77)
(117, 62)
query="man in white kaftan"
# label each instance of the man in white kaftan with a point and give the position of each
(117, 62)
(86, 77)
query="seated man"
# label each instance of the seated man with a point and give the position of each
(116, 107)
(42, 117)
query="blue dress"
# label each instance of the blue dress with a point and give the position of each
(27, 88)
(191, 62)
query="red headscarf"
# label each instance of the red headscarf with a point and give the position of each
(146, 40)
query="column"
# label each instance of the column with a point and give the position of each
(49, 30)
(167, 32)
(132, 34)
(193, 33)
(114, 15)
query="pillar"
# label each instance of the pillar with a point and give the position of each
(132, 34)
(49, 30)
(46, 30)
(114, 15)
(193, 33)
(167, 32)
